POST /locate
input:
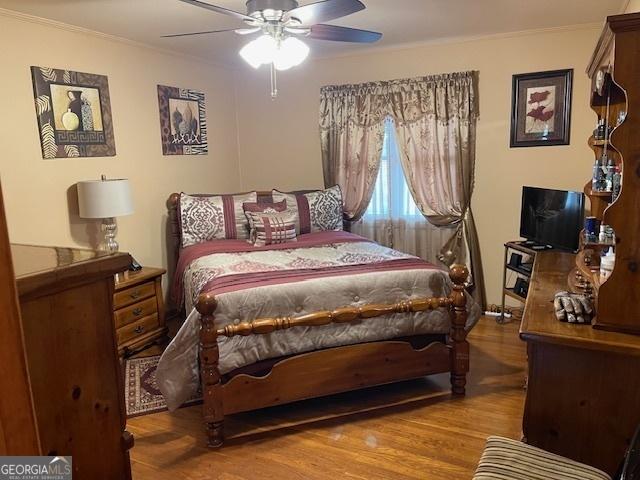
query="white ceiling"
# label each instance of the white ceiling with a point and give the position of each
(401, 21)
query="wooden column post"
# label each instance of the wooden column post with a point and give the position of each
(458, 335)
(209, 372)
(18, 427)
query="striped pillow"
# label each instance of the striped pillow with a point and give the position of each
(213, 217)
(316, 211)
(506, 459)
(271, 228)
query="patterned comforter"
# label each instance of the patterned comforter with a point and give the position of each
(321, 271)
(209, 272)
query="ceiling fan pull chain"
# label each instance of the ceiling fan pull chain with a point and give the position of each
(274, 82)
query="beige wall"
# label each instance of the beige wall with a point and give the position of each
(36, 190)
(279, 141)
(634, 6)
(275, 143)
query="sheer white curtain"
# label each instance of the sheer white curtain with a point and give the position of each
(392, 218)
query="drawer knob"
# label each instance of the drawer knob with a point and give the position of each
(135, 294)
(137, 311)
(139, 329)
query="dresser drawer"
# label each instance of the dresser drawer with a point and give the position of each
(137, 329)
(133, 294)
(135, 312)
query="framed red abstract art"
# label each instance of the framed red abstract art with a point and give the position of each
(541, 108)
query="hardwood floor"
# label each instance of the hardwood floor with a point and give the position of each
(411, 430)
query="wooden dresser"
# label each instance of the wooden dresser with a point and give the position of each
(139, 309)
(583, 396)
(66, 299)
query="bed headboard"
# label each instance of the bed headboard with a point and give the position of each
(173, 230)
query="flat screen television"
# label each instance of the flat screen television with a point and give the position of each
(552, 217)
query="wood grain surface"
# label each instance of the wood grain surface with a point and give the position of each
(407, 430)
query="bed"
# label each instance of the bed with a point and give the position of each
(329, 313)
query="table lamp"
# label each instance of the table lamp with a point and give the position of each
(105, 199)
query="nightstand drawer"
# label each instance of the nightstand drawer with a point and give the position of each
(135, 312)
(137, 329)
(133, 294)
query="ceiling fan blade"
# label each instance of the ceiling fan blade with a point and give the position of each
(324, 11)
(197, 33)
(343, 34)
(224, 11)
(247, 31)
(298, 30)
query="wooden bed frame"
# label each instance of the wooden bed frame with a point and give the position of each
(328, 371)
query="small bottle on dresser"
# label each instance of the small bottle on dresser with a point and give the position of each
(607, 264)
(600, 130)
(617, 184)
(598, 182)
(610, 171)
(602, 237)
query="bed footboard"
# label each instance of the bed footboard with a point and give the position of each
(209, 354)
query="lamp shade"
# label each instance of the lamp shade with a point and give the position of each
(104, 198)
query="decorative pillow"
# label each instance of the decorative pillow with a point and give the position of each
(271, 228)
(204, 218)
(316, 211)
(264, 207)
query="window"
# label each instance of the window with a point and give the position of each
(391, 195)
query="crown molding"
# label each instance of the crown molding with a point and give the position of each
(354, 53)
(25, 17)
(462, 40)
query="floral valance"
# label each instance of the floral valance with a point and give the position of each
(446, 96)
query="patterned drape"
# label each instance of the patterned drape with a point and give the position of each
(352, 134)
(435, 120)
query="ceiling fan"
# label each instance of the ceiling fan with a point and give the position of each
(281, 22)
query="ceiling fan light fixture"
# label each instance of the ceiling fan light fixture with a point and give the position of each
(292, 52)
(265, 50)
(280, 22)
(260, 51)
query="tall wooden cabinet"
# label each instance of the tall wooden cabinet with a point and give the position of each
(614, 71)
(583, 395)
(66, 300)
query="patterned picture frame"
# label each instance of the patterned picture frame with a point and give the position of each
(183, 121)
(73, 110)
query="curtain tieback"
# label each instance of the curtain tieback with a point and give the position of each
(454, 247)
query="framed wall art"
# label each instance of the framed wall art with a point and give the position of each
(541, 108)
(74, 113)
(183, 121)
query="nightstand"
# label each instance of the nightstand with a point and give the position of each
(139, 309)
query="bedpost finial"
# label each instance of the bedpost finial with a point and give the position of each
(459, 274)
(207, 304)
(173, 200)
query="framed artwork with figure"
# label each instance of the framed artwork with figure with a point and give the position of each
(74, 113)
(541, 108)
(183, 121)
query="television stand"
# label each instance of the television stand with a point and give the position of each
(518, 259)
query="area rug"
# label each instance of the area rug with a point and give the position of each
(141, 393)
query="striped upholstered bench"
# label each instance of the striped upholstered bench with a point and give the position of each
(505, 459)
